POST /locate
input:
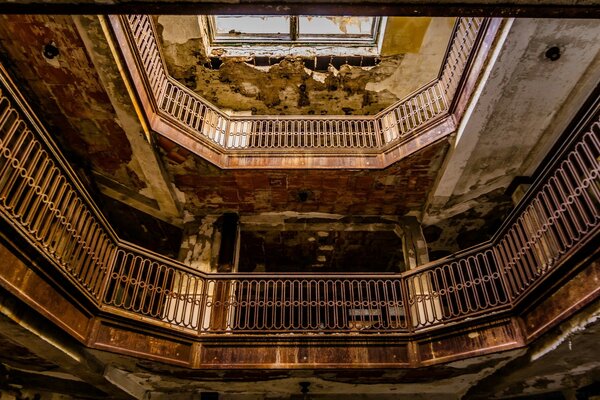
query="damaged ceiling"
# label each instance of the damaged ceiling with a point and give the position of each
(562, 364)
(84, 103)
(412, 53)
(68, 94)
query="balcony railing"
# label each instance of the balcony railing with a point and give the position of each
(41, 197)
(200, 123)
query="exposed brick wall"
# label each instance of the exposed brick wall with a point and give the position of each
(401, 188)
(66, 92)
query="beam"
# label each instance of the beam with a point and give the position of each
(43, 340)
(490, 8)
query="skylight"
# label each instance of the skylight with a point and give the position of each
(245, 28)
(298, 35)
(345, 29)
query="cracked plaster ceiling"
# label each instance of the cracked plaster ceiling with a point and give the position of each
(411, 56)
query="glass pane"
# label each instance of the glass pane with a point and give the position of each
(336, 26)
(255, 25)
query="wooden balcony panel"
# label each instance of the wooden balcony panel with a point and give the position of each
(576, 293)
(41, 294)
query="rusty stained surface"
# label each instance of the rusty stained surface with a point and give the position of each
(114, 338)
(290, 88)
(155, 377)
(66, 93)
(501, 335)
(357, 375)
(580, 289)
(327, 353)
(566, 357)
(396, 190)
(19, 279)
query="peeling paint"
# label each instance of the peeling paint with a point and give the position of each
(199, 247)
(352, 90)
(575, 325)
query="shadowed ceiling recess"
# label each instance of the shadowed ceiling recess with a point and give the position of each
(376, 141)
(42, 200)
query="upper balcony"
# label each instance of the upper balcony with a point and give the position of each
(304, 141)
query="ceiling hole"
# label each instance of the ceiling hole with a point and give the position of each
(553, 53)
(50, 50)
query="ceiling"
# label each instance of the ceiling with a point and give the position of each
(562, 362)
(412, 53)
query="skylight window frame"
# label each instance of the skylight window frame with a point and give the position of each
(347, 38)
(236, 39)
(294, 43)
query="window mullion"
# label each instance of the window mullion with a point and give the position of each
(294, 28)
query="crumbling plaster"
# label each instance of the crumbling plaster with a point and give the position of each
(566, 359)
(531, 95)
(419, 65)
(200, 244)
(288, 87)
(445, 382)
